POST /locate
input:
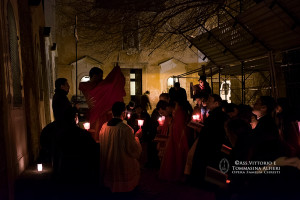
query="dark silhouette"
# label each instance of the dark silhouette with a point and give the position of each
(288, 127)
(62, 107)
(178, 94)
(266, 141)
(211, 138)
(73, 150)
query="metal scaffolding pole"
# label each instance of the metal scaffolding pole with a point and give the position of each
(211, 81)
(225, 85)
(219, 80)
(243, 83)
(273, 75)
(76, 40)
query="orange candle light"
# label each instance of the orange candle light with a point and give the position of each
(87, 125)
(128, 116)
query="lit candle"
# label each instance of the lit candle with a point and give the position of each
(40, 167)
(161, 120)
(140, 122)
(128, 116)
(196, 117)
(87, 125)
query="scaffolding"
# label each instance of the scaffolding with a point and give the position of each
(244, 45)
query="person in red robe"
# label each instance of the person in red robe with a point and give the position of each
(164, 128)
(174, 159)
(102, 94)
(96, 76)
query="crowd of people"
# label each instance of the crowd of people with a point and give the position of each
(183, 142)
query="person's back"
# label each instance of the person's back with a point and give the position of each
(288, 127)
(265, 137)
(77, 155)
(145, 102)
(174, 159)
(178, 94)
(119, 153)
(211, 138)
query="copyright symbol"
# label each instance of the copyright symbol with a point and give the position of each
(236, 162)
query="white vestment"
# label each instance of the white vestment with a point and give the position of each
(119, 153)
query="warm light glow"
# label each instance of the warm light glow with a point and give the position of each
(140, 122)
(87, 125)
(196, 117)
(76, 119)
(132, 88)
(85, 79)
(227, 181)
(40, 167)
(225, 90)
(128, 116)
(161, 120)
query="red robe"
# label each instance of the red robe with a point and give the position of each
(174, 160)
(104, 95)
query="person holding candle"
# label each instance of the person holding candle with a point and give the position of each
(120, 150)
(141, 120)
(165, 110)
(174, 159)
(200, 109)
(163, 97)
(200, 113)
(156, 145)
(211, 138)
(130, 109)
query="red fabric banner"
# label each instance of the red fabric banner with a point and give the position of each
(106, 93)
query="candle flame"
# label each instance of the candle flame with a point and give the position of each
(140, 122)
(40, 167)
(87, 125)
